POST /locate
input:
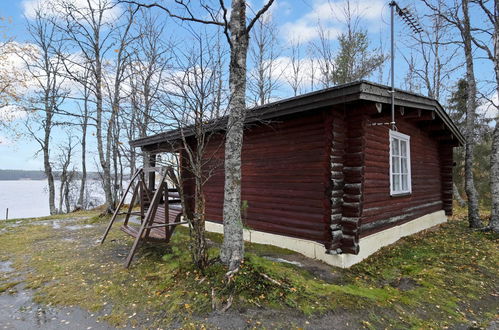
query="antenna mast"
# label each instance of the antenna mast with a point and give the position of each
(413, 24)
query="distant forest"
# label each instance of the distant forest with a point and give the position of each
(35, 175)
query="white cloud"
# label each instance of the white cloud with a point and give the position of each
(10, 113)
(4, 141)
(56, 8)
(488, 109)
(283, 71)
(331, 16)
(19, 64)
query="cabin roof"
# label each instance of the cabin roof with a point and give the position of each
(361, 90)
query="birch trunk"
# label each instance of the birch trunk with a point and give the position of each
(199, 250)
(103, 156)
(83, 182)
(494, 179)
(494, 157)
(48, 101)
(232, 252)
(473, 216)
(66, 194)
(47, 166)
(457, 196)
(61, 195)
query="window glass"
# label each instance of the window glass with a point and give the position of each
(400, 159)
(403, 148)
(395, 144)
(403, 162)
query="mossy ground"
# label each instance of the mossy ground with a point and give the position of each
(436, 279)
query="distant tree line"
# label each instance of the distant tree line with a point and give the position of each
(6, 175)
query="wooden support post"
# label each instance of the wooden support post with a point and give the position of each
(167, 206)
(122, 201)
(141, 199)
(151, 213)
(152, 174)
(132, 203)
(7, 214)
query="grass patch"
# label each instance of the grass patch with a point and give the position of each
(430, 280)
(8, 286)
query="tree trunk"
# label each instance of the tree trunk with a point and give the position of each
(50, 177)
(103, 154)
(66, 196)
(47, 166)
(473, 215)
(61, 195)
(494, 156)
(232, 252)
(199, 251)
(457, 196)
(494, 179)
(81, 198)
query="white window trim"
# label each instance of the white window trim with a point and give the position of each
(406, 138)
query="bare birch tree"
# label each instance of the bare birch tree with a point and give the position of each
(237, 31)
(192, 105)
(117, 71)
(264, 76)
(436, 54)
(487, 39)
(66, 174)
(149, 62)
(295, 79)
(90, 28)
(457, 15)
(84, 124)
(324, 58)
(46, 71)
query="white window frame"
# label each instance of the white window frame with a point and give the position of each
(401, 137)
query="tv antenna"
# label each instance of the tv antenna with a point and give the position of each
(413, 24)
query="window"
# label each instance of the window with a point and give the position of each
(400, 163)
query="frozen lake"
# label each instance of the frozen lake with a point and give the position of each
(28, 198)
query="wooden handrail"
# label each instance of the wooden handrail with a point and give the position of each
(167, 224)
(151, 213)
(120, 204)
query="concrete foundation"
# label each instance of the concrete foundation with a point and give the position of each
(368, 245)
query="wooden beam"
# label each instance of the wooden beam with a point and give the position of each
(438, 126)
(450, 143)
(413, 114)
(442, 133)
(152, 175)
(427, 116)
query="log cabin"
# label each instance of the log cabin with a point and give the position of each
(324, 174)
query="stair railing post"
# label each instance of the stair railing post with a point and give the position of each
(151, 213)
(122, 201)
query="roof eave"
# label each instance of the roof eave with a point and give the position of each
(379, 93)
(360, 90)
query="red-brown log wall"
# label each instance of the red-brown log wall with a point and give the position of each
(382, 211)
(285, 177)
(324, 176)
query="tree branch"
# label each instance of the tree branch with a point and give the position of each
(258, 15)
(190, 18)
